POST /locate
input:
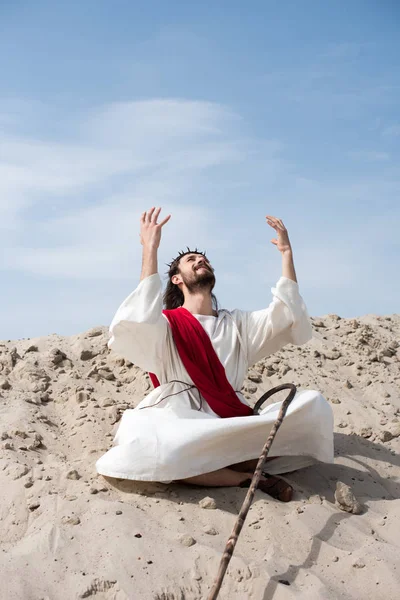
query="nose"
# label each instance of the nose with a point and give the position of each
(201, 263)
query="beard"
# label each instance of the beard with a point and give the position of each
(199, 280)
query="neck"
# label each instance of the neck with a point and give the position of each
(199, 303)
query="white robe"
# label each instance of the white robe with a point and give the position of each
(173, 433)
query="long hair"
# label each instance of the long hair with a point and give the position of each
(173, 297)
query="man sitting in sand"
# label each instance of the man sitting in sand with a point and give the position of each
(196, 426)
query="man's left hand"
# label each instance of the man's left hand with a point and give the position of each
(282, 241)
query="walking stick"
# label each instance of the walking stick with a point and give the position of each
(231, 543)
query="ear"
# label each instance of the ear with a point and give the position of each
(176, 279)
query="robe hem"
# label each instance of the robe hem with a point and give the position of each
(308, 461)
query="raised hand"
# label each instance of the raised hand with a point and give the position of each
(150, 230)
(282, 241)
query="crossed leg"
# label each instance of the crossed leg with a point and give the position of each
(226, 477)
(237, 474)
(249, 465)
(230, 476)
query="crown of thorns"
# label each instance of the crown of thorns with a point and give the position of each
(181, 254)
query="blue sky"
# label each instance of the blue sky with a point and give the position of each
(221, 113)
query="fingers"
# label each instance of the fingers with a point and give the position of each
(165, 221)
(155, 215)
(275, 222)
(273, 219)
(149, 214)
(272, 223)
(145, 217)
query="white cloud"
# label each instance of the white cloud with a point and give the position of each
(61, 215)
(70, 212)
(102, 242)
(157, 123)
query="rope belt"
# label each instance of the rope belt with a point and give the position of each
(189, 386)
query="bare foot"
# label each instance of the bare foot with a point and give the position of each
(273, 486)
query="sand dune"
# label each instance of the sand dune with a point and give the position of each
(69, 533)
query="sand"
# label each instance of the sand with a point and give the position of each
(67, 532)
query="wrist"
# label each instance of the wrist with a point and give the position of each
(150, 248)
(149, 262)
(288, 253)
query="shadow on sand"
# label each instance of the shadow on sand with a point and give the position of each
(366, 482)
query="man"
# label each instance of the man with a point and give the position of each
(196, 426)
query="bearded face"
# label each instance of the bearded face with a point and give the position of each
(196, 272)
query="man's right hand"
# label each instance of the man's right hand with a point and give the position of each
(150, 230)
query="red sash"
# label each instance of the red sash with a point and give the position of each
(203, 365)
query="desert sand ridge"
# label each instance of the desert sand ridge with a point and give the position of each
(69, 533)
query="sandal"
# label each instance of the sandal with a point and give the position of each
(273, 486)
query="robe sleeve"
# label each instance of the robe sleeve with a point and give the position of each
(285, 321)
(139, 329)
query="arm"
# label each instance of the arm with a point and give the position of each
(288, 266)
(150, 237)
(284, 246)
(138, 329)
(149, 262)
(286, 319)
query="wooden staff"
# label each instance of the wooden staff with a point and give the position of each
(233, 538)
